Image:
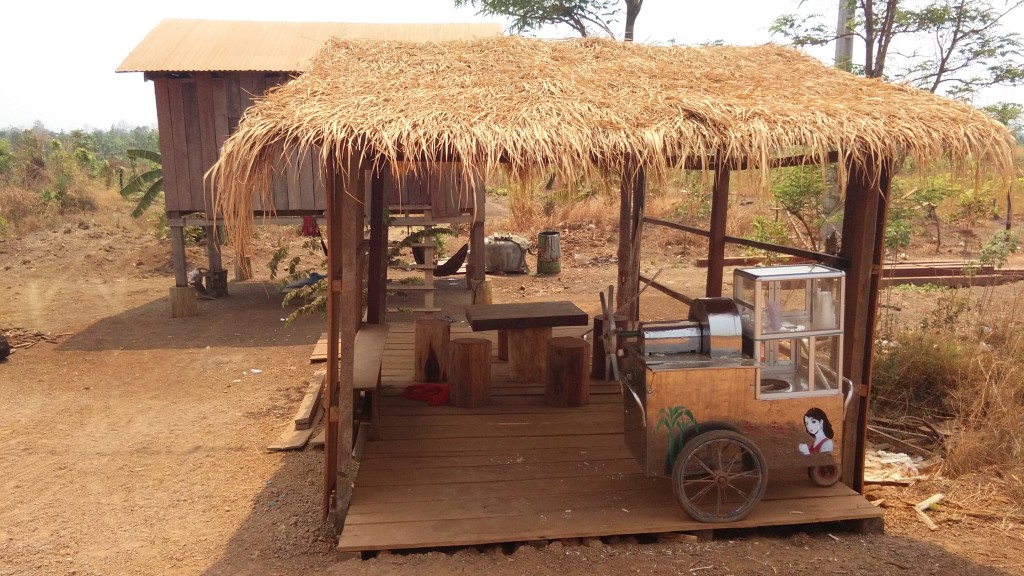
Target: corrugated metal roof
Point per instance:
(221, 45)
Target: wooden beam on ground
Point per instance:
(716, 240)
(293, 438)
(310, 402)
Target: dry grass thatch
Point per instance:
(588, 107)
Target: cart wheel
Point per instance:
(823, 476)
(719, 476)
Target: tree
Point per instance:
(1009, 114)
(146, 186)
(585, 17)
(953, 46)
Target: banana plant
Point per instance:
(147, 186)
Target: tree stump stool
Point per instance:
(431, 357)
(567, 381)
(469, 372)
(503, 345)
(600, 369)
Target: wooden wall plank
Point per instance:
(232, 100)
(319, 187)
(207, 132)
(307, 168)
(179, 141)
(247, 91)
(292, 181)
(193, 143)
(165, 121)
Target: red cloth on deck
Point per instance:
(433, 394)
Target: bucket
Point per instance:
(549, 253)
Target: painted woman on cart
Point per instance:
(820, 429)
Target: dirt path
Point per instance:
(134, 444)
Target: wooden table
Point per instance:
(529, 329)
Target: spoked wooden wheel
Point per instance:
(719, 476)
(824, 476)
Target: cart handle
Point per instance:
(625, 383)
(848, 393)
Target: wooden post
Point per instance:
(431, 357)
(477, 255)
(178, 259)
(716, 241)
(600, 370)
(377, 274)
(863, 245)
(469, 372)
(527, 353)
(183, 302)
(566, 382)
(631, 212)
(334, 270)
(350, 273)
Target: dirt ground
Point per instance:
(134, 443)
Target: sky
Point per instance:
(59, 56)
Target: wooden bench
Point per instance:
(369, 355)
(529, 329)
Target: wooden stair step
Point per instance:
(409, 287)
(413, 221)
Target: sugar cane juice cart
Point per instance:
(745, 386)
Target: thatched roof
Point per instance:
(594, 106)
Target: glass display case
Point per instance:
(792, 324)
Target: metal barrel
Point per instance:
(549, 253)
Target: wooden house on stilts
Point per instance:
(625, 112)
(206, 74)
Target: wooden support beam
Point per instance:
(716, 240)
(178, 259)
(377, 274)
(696, 163)
(213, 254)
(863, 247)
(334, 270)
(827, 259)
(631, 217)
(350, 203)
(477, 256)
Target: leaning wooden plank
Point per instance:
(319, 350)
(318, 440)
(292, 439)
(307, 409)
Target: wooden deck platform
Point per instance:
(518, 470)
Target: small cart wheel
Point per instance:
(719, 476)
(824, 476)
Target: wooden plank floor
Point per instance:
(518, 470)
